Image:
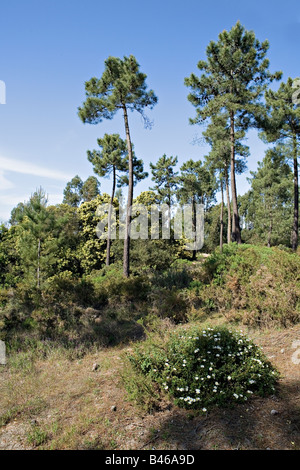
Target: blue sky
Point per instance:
(50, 48)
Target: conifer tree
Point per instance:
(234, 78)
(217, 135)
(282, 125)
(111, 159)
(37, 244)
(269, 204)
(73, 192)
(197, 186)
(121, 87)
(165, 178)
(90, 189)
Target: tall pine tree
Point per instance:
(121, 87)
(234, 78)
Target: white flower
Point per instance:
(229, 377)
(204, 409)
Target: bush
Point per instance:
(173, 278)
(259, 285)
(204, 368)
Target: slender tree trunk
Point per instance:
(109, 217)
(270, 230)
(228, 207)
(194, 224)
(221, 218)
(126, 258)
(38, 271)
(296, 196)
(236, 231)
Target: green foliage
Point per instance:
(92, 249)
(175, 278)
(121, 84)
(119, 289)
(110, 158)
(77, 191)
(258, 285)
(61, 306)
(72, 192)
(9, 256)
(149, 255)
(37, 436)
(235, 75)
(204, 368)
(90, 189)
(281, 123)
(140, 388)
(165, 178)
(267, 208)
(232, 81)
(196, 184)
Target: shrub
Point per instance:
(202, 368)
(173, 278)
(256, 284)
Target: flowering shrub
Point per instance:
(201, 368)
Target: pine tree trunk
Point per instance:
(126, 258)
(221, 218)
(270, 230)
(194, 224)
(228, 208)
(296, 196)
(109, 217)
(38, 271)
(236, 231)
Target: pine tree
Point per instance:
(282, 124)
(73, 192)
(122, 86)
(90, 189)
(269, 201)
(165, 178)
(37, 244)
(197, 185)
(233, 79)
(217, 135)
(111, 159)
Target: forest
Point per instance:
(186, 325)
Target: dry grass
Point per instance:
(62, 404)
